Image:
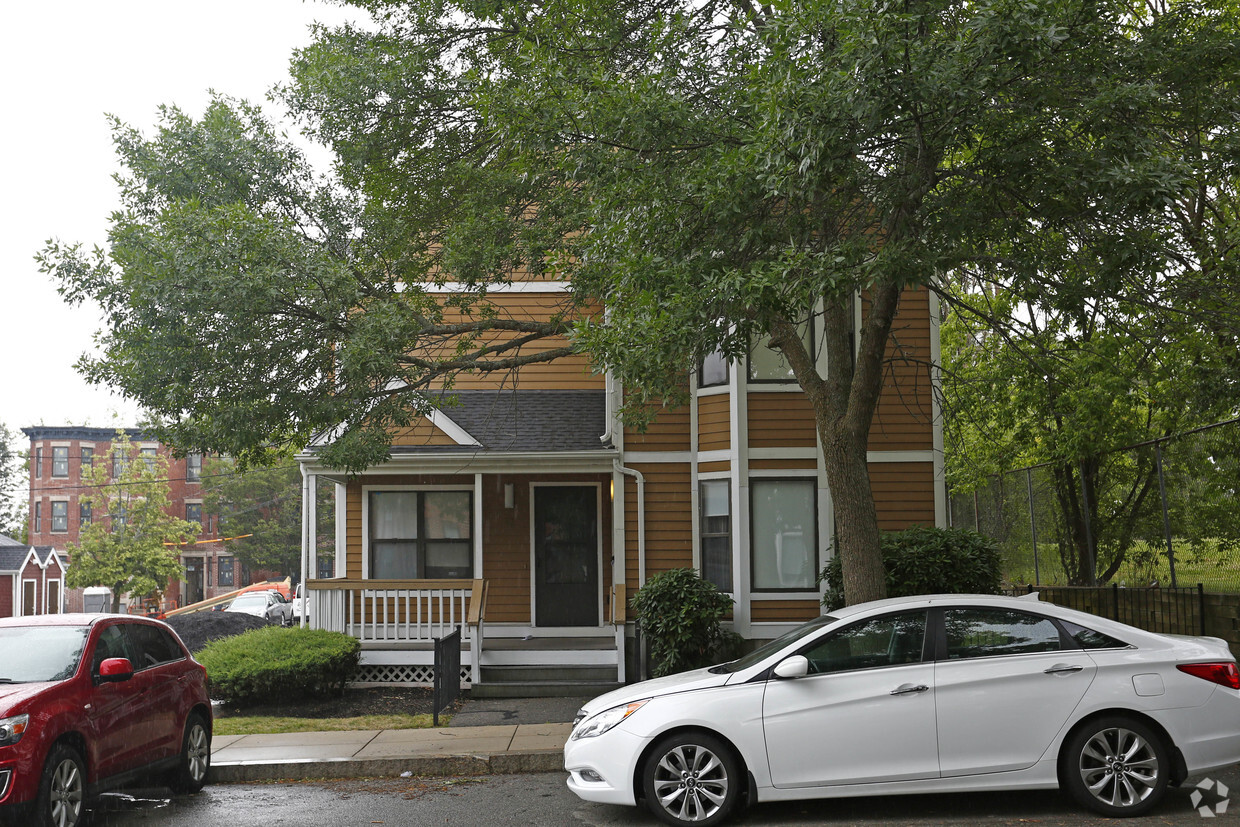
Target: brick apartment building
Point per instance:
(58, 457)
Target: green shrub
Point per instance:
(923, 560)
(679, 614)
(274, 664)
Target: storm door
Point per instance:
(193, 580)
(566, 554)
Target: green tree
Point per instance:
(713, 173)
(131, 544)
(262, 507)
(12, 478)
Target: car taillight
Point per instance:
(1224, 674)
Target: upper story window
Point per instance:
(420, 534)
(84, 514)
(38, 517)
(148, 458)
(767, 364)
(60, 461)
(38, 462)
(193, 513)
(120, 464)
(193, 467)
(713, 371)
(88, 458)
(60, 515)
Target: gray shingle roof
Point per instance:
(525, 420)
(12, 557)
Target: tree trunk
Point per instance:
(116, 598)
(844, 403)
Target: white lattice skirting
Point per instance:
(377, 674)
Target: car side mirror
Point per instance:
(114, 670)
(796, 666)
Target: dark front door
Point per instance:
(566, 543)
(193, 580)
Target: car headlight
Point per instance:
(604, 721)
(12, 729)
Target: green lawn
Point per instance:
(267, 724)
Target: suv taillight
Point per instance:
(1224, 674)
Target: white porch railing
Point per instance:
(399, 611)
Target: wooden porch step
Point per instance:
(542, 644)
(547, 673)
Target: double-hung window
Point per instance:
(60, 516)
(784, 533)
(716, 533)
(418, 535)
(767, 364)
(193, 467)
(60, 461)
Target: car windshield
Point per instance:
(764, 652)
(30, 654)
(251, 599)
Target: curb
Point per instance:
(506, 763)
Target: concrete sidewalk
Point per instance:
(485, 737)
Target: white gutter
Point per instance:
(641, 518)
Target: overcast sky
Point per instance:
(66, 65)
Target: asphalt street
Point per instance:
(542, 800)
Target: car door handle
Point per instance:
(1064, 668)
(909, 688)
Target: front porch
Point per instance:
(398, 621)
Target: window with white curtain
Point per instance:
(783, 534)
(421, 534)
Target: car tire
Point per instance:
(194, 763)
(1116, 766)
(692, 778)
(62, 789)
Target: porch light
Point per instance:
(611, 490)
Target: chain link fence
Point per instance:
(1160, 513)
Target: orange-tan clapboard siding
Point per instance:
(571, 372)
(669, 431)
(669, 518)
(780, 420)
(714, 423)
(784, 611)
(903, 493)
(904, 418)
(809, 463)
(422, 433)
(708, 467)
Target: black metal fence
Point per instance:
(1179, 611)
(447, 672)
(1160, 513)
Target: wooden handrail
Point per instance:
(346, 583)
(478, 603)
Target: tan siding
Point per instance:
(780, 420)
(668, 432)
(714, 423)
(421, 433)
(669, 520)
(785, 611)
(707, 467)
(779, 464)
(903, 420)
(903, 493)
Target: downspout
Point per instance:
(307, 509)
(641, 518)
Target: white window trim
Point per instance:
(366, 489)
(820, 493)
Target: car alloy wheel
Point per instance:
(692, 778)
(62, 789)
(1118, 767)
(195, 763)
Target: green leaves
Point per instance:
(679, 614)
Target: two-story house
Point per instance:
(524, 512)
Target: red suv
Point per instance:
(93, 702)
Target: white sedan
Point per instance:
(926, 694)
